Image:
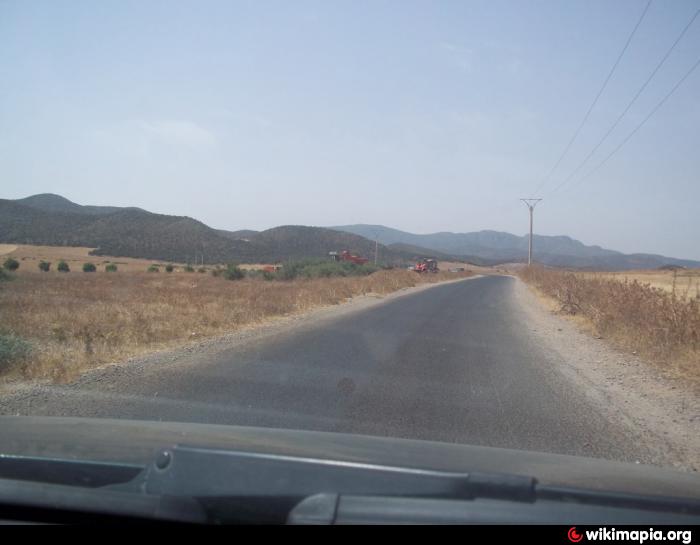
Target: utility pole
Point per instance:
(530, 203)
(376, 250)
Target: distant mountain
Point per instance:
(494, 247)
(133, 232)
(418, 252)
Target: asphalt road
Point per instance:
(454, 363)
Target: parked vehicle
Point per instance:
(426, 265)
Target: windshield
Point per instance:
(465, 222)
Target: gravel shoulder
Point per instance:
(662, 411)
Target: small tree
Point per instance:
(44, 266)
(110, 267)
(169, 268)
(11, 264)
(233, 272)
(63, 266)
(89, 267)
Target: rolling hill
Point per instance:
(132, 232)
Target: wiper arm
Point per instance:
(210, 473)
(187, 484)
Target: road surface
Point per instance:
(456, 362)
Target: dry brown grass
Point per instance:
(637, 317)
(684, 283)
(78, 321)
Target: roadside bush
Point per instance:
(260, 274)
(89, 267)
(13, 351)
(202, 270)
(110, 267)
(169, 268)
(321, 268)
(63, 266)
(153, 269)
(188, 268)
(11, 264)
(44, 266)
(233, 272)
(5, 275)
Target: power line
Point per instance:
(641, 124)
(629, 105)
(595, 100)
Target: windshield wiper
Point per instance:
(188, 484)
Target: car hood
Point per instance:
(137, 442)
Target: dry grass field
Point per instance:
(684, 283)
(58, 325)
(654, 321)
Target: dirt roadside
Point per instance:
(626, 388)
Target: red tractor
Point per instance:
(426, 265)
(347, 256)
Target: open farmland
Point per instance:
(29, 257)
(684, 283)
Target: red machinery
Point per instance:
(426, 265)
(347, 256)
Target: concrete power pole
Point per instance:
(530, 203)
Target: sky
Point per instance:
(420, 115)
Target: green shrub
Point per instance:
(63, 266)
(233, 272)
(188, 268)
(202, 270)
(89, 267)
(13, 350)
(153, 268)
(11, 264)
(44, 266)
(169, 268)
(321, 268)
(110, 267)
(5, 275)
(260, 274)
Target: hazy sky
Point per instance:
(424, 116)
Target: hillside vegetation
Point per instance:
(132, 232)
